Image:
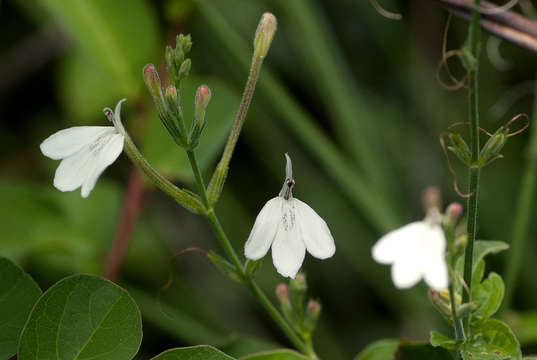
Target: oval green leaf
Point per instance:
(379, 350)
(201, 352)
(82, 317)
(18, 294)
(492, 340)
(487, 296)
(283, 354)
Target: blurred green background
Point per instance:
(352, 96)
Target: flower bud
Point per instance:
(282, 291)
(441, 302)
(152, 80)
(203, 95)
(454, 211)
(311, 315)
(169, 55)
(431, 198)
(297, 290)
(493, 146)
(264, 34)
(184, 69)
(172, 101)
(460, 148)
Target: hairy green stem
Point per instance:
(199, 179)
(473, 173)
(189, 201)
(523, 213)
(457, 322)
(243, 110)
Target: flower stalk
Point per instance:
(263, 38)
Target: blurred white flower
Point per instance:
(85, 151)
(291, 227)
(415, 251)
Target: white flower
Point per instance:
(85, 151)
(291, 227)
(415, 251)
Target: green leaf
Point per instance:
(119, 45)
(439, 340)
(82, 317)
(483, 248)
(492, 340)
(282, 354)
(244, 345)
(200, 352)
(419, 351)
(379, 350)
(18, 294)
(172, 161)
(487, 296)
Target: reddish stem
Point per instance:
(132, 205)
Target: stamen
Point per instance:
(289, 187)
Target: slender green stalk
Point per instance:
(188, 200)
(243, 110)
(457, 322)
(523, 212)
(199, 179)
(228, 248)
(473, 173)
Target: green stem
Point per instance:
(457, 322)
(189, 201)
(198, 177)
(523, 213)
(228, 248)
(243, 110)
(473, 176)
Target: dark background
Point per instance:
(351, 95)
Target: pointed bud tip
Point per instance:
(203, 95)
(314, 307)
(151, 79)
(454, 211)
(431, 198)
(171, 91)
(264, 34)
(283, 292)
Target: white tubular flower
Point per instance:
(291, 227)
(85, 151)
(415, 251)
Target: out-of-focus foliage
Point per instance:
(350, 95)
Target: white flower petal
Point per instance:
(264, 230)
(397, 244)
(288, 249)
(73, 171)
(111, 149)
(406, 273)
(436, 274)
(314, 231)
(68, 142)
